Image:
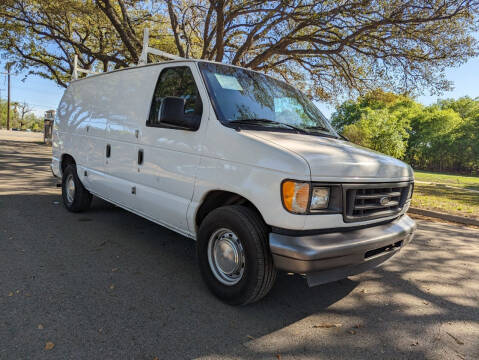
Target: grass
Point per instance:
(445, 199)
(466, 182)
(447, 193)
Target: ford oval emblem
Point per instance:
(384, 200)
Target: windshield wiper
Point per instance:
(317, 127)
(324, 131)
(259, 121)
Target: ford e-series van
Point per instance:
(242, 163)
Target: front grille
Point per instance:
(372, 201)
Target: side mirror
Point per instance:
(172, 112)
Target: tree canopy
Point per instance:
(43, 36)
(327, 47)
(440, 137)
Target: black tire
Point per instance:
(81, 199)
(259, 271)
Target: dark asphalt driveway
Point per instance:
(107, 284)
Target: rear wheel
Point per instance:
(234, 256)
(75, 197)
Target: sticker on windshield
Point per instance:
(228, 82)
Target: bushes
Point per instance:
(439, 137)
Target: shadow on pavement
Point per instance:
(25, 168)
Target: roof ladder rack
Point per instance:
(77, 69)
(148, 50)
(142, 61)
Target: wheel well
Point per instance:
(218, 198)
(67, 159)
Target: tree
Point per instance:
(466, 134)
(23, 109)
(33, 122)
(327, 47)
(464, 106)
(3, 113)
(351, 111)
(440, 137)
(382, 130)
(43, 36)
(378, 120)
(433, 140)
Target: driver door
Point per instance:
(166, 177)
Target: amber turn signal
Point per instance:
(295, 196)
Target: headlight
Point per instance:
(320, 198)
(410, 191)
(295, 196)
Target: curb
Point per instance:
(443, 216)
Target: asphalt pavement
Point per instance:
(107, 284)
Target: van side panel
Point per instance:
(58, 142)
(72, 121)
(112, 110)
(88, 137)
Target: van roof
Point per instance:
(160, 63)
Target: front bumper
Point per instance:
(329, 257)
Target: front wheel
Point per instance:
(75, 197)
(234, 256)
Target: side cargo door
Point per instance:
(124, 105)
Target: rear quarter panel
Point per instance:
(72, 119)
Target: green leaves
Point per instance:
(380, 130)
(42, 36)
(441, 137)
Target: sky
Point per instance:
(42, 94)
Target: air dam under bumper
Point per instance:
(333, 256)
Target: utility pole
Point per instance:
(8, 101)
(0, 107)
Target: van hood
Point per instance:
(337, 160)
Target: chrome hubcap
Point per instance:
(226, 257)
(70, 188)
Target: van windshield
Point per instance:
(243, 97)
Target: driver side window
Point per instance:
(176, 82)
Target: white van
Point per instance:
(242, 163)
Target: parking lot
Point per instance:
(107, 284)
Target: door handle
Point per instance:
(108, 150)
(140, 157)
